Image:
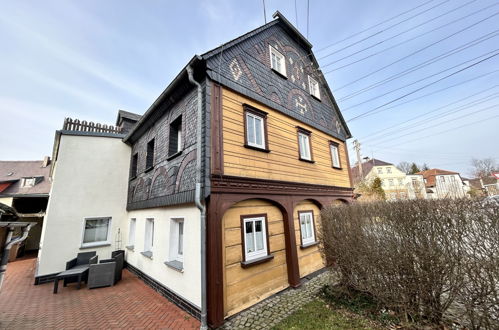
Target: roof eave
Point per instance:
(168, 90)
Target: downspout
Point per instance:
(8, 246)
(198, 198)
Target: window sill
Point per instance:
(307, 160)
(94, 245)
(130, 247)
(279, 74)
(304, 246)
(148, 169)
(256, 148)
(253, 262)
(175, 155)
(176, 265)
(147, 254)
(315, 97)
(337, 168)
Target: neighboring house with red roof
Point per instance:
(25, 186)
(444, 184)
(395, 183)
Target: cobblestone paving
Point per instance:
(274, 309)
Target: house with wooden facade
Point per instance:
(215, 191)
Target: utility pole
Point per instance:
(356, 146)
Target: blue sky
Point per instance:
(87, 59)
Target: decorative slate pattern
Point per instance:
(162, 180)
(247, 66)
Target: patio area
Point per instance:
(128, 304)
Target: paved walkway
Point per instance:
(274, 309)
(129, 304)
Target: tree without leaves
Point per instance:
(483, 167)
(404, 167)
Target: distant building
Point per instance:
(396, 184)
(444, 184)
(25, 186)
(488, 186)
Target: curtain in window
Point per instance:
(96, 230)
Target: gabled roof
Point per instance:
(430, 175)
(11, 173)
(295, 34)
(127, 115)
(366, 168)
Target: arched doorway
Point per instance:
(248, 227)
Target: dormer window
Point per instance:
(277, 61)
(28, 182)
(314, 87)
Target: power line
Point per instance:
(296, 15)
(405, 41)
(434, 92)
(394, 36)
(308, 15)
(423, 64)
(435, 117)
(423, 87)
(376, 25)
(416, 52)
(417, 81)
(383, 130)
(439, 124)
(451, 129)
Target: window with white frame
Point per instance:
(96, 231)
(335, 155)
(149, 236)
(255, 130)
(255, 237)
(307, 227)
(388, 170)
(131, 233)
(28, 182)
(401, 182)
(442, 178)
(277, 61)
(380, 170)
(314, 87)
(304, 145)
(177, 240)
(390, 181)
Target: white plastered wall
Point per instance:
(90, 180)
(185, 283)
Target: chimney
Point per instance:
(46, 161)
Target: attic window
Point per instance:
(28, 182)
(277, 61)
(314, 87)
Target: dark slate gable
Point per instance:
(244, 66)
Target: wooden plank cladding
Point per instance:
(282, 162)
(244, 287)
(309, 259)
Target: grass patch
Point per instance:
(318, 314)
